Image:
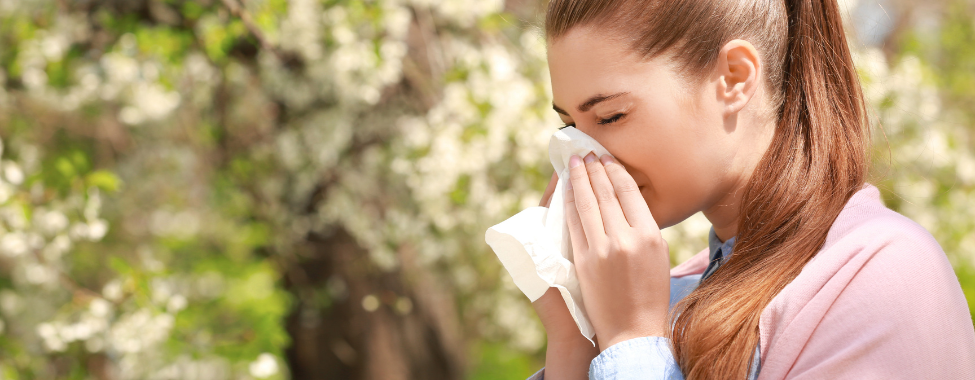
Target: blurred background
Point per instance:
(299, 189)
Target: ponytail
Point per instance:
(816, 161)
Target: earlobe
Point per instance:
(738, 65)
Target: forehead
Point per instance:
(588, 49)
(585, 62)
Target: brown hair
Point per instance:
(816, 161)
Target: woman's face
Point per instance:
(676, 140)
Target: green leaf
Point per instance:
(104, 180)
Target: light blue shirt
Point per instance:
(651, 357)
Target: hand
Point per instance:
(622, 261)
(569, 353)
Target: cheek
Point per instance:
(668, 152)
(679, 166)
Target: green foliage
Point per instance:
(950, 52)
(498, 362)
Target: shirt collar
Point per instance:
(718, 249)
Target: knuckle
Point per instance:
(622, 245)
(577, 173)
(596, 247)
(648, 238)
(605, 196)
(572, 222)
(594, 168)
(646, 234)
(615, 168)
(585, 205)
(657, 242)
(627, 187)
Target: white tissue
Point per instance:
(534, 245)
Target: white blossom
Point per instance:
(264, 366)
(12, 173)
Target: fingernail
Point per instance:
(606, 159)
(574, 161)
(590, 158)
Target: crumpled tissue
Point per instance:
(534, 245)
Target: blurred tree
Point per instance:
(304, 174)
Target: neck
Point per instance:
(724, 213)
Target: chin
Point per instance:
(671, 209)
(665, 222)
(668, 216)
(664, 217)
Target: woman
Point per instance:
(751, 112)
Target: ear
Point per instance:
(738, 75)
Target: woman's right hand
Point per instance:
(569, 353)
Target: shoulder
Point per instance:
(874, 252)
(887, 265)
(868, 239)
(865, 222)
(893, 268)
(879, 298)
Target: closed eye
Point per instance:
(612, 119)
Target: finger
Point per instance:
(585, 201)
(602, 188)
(547, 195)
(577, 235)
(628, 194)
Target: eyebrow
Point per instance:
(588, 104)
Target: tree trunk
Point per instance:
(411, 333)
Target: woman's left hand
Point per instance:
(621, 260)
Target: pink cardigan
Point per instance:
(879, 301)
